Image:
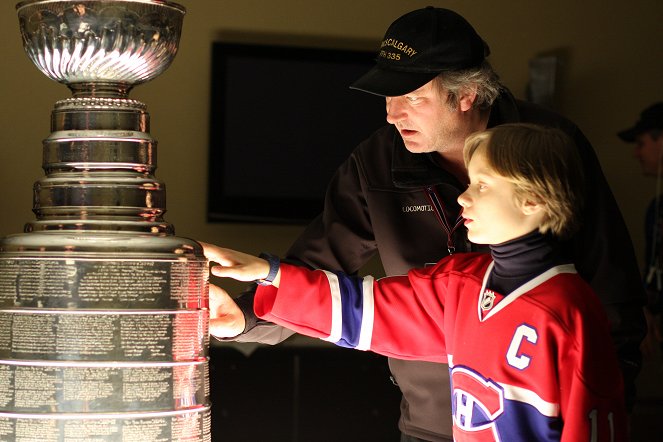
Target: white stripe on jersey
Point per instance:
(526, 396)
(337, 312)
(367, 315)
(522, 290)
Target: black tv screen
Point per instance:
(282, 120)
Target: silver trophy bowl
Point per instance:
(101, 48)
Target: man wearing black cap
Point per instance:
(647, 134)
(396, 195)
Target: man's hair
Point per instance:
(543, 163)
(483, 79)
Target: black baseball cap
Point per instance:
(651, 118)
(417, 47)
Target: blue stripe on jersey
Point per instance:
(352, 307)
(522, 422)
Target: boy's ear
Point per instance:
(532, 204)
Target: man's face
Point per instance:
(425, 121)
(648, 151)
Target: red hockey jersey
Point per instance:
(536, 365)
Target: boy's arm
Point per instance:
(387, 316)
(591, 387)
(590, 414)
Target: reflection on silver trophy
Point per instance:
(103, 310)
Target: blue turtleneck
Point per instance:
(523, 258)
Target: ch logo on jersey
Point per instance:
(476, 403)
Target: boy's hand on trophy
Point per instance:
(234, 264)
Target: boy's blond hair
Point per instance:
(543, 163)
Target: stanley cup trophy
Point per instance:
(103, 311)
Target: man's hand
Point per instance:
(226, 319)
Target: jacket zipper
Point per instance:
(441, 214)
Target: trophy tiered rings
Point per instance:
(103, 311)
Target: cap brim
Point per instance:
(391, 83)
(628, 135)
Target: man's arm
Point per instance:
(605, 257)
(234, 319)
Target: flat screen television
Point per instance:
(282, 120)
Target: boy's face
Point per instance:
(493, 212)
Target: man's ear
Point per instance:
(466, 98)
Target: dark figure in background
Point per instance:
(396, 195)
(647, 134)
